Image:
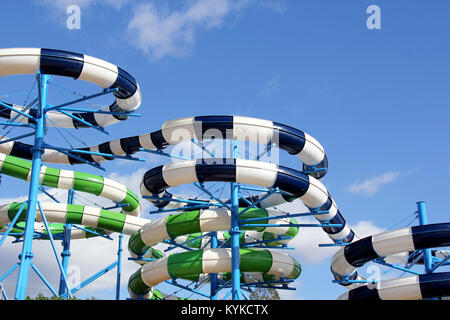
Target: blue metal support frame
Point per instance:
(91, 279)
(44, 280)
(52, 242)
(102, 93)
(65, 254)
(213, 276)
(37, 151)
(13, 222)
(119, 266)
(11, 121)
(423, 220)
(235, 232)
(32, 204)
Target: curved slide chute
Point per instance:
(15, 61)
(355, 255)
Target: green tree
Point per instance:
(265, 294)
(41, 296)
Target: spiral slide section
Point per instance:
(355, 255)
(303, 184)
(292, 183)
(14, 61)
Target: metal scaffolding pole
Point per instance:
(27, 255)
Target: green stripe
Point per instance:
(269, 277)
(184, 223)
(137, 285)
(254, 213)
(90, 234)
(74, 213)
(16, 167)
(136, 245)
(255, 260)
(132, 200)
(197, 243)
(157, 295)
(296, 271)
(87, 182)
(185, 263)
(51, 177)
(109, 220)
(293, 231)
(154, 254)
(13, 208)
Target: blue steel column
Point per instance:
(213, 275)
(422, 211)
(27, 255)
(119, 266)
(235, 232)
(65, 254)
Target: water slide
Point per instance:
(388, 244)
(207, 216)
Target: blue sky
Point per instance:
(377, 100)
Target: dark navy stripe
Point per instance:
(72, 160)
(5, 112)
(337, 219)
(435, 285)
(126, 84)
(207, 170)
(114, 107)
(21, 150)
(84, 156)
(33, 113)
(364, 293)
(61, 63)
(321, 165)
(325, 207)
(288, 198)
(105, 148)
(360, 252)
(251, 199)
(204, 123)
(347, 239)
(431, 235)
(338, 277)
(158, 139)
(86, 116)
(290, 139)
(292, 181)
(130, 144)
(154, 180)
(162, 203)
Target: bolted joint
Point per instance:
(235, 230)
(65, 253)
(28, 255)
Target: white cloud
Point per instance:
(371, 186)
(277, 6)
(160, 33)
(63, 4)
(271, 87)
(366, 228)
